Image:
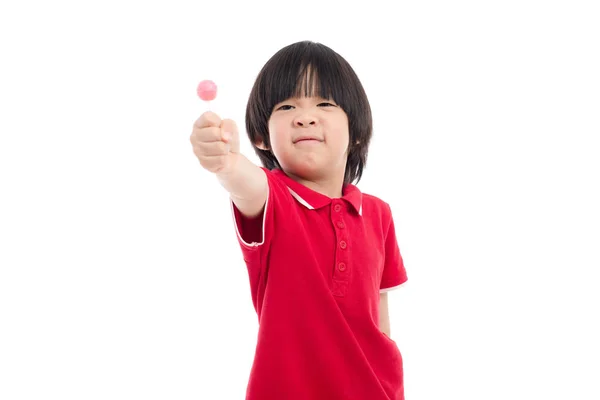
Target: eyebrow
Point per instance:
(312, 97)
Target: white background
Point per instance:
(121, 277)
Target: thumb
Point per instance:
(230, 135)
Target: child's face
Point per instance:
(309, 137)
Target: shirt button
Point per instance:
(343, 244)
(337, 208)
(340, 224)
(342, 266)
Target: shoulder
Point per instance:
(276, 182)
(376, 213)
(376, 206)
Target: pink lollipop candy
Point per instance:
(207, 91)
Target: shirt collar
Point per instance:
(314, 200)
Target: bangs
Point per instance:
(309, 72)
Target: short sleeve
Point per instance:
(255, 233)
(394, 273)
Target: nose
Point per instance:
(305, 120)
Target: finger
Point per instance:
(210, 149)
(231, 135)
(211, 134)
(208, 119)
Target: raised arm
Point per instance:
(216, 144)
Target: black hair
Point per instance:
(310, 69)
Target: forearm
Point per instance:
(247, 185)
(384, 314)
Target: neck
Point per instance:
(330, 186)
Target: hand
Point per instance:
(215, 142)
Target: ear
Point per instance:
(350, 145)
(261, 145)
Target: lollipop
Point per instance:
(207, 91)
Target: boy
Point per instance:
(320, 254)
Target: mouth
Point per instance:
(307, 139)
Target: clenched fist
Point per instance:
(216, 142)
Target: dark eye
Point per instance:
(285, 107)
(327, 104)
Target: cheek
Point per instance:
(342, 134)
(344, 143)
(276, 133)
(272, 127)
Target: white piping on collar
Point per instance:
(300, 199)
(305, 204)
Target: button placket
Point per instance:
(341, 271)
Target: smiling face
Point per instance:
(309, 136)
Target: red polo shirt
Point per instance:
(316, 267)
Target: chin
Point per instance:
(310, 171)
